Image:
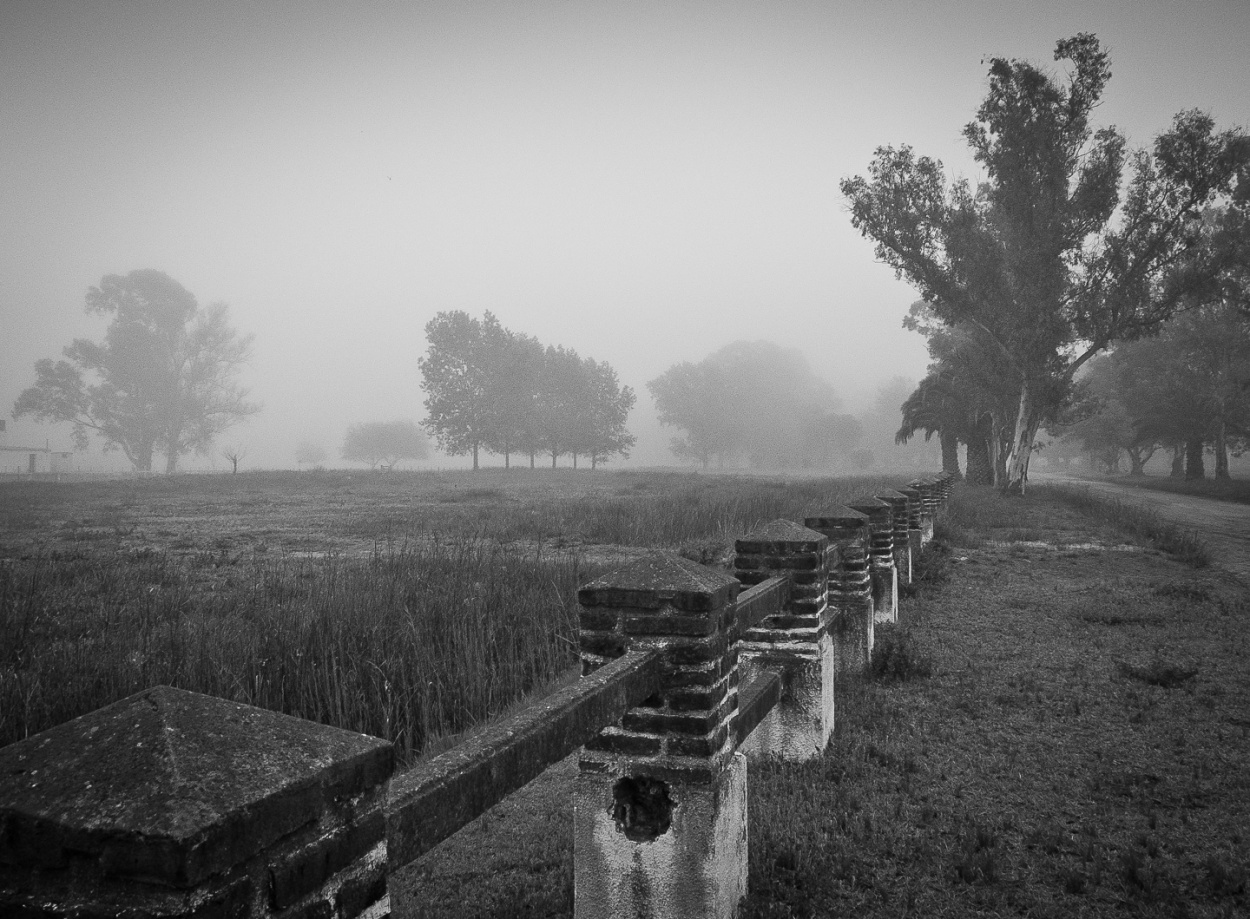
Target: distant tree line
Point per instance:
(490, 389)
(1186, 390)
(385, 443)
(758, 403)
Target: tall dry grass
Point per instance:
(406, 645)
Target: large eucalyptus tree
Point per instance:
(1045, 255)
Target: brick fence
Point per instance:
(171, 803)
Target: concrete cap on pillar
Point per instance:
(840, 516)
(875, 508)
(779, 538)
(174, 786)
(662, 579)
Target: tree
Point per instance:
(603, 432)
(488, 387)
(385, 443)
(1044, 256)
(1185, 388)
(1203, 358)
(163, 380)
(880, 424)
(515, 367)
(561, 397)
(234, 454)
(753, 399)
(456, 374)
(692, 397)
(313, 454)
(967, 396)
(937, 406)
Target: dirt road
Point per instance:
(1224, 526)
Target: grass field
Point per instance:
(408, 606)
(1063, 732)
(1059, 729)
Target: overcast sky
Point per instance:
(643, 182)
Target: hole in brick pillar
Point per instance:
(642, 808)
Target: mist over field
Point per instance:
(645, 184)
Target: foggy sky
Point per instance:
(643, 182)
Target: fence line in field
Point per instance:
(172, 803)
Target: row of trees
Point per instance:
(758, 402)
(1184, 390)
(1045, 263)
(488, 388)
(165, 380)
(378, 443)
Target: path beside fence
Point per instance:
(1224, 525)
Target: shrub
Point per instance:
(895, 657)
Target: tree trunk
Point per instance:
(594, 462)
(532, 459)
(574, 459)
(980, 466)
(950, 453)
(1027, 423)
(553, 459)
(143, 462)
(171, 462)
(475, 456)
(1178, 461)
(507, 459)
(1194, 466)
(1137, 461)
(1221, 449)
(998, 454)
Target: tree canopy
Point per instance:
(1185, 389)
(755, 401)
(490, 388)
(310, 452)
(164, 379)
(1045, 255)
(385, 443)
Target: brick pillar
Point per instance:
(884, 573)
(915, 521)
(795, 643)
(928, 507)
(175, 804)
(850, 588)
(899, 504)
(659, 823)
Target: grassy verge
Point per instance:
(1058, 728)
(1237, 490)
(1141, 522)
(1060, 731)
